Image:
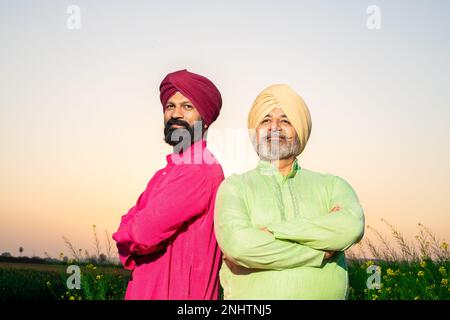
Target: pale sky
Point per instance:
(81, 122)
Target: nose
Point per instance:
(177, 113)
(274, 125)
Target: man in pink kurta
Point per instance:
(167, 239)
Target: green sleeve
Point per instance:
(336, 231)
(247, 245)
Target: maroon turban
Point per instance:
(198, 89)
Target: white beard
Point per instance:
(274, 150)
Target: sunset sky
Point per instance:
(81, 123)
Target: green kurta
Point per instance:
(296, 208)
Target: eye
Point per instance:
(265, 121)
(188, 107)
(170, 107)
(285, 121)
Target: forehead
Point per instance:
(178, 98)
(276, 113)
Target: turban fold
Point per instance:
(198, 89)
(284, 97)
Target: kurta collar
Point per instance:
(267, 168)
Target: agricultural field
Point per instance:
(399, 269)
(424, 279)
(48, 281)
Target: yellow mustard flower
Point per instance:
(390, 272)
(444, 245)
(442, 270)
(420, 273)
(423, 264)
(444, 282)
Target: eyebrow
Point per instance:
(270, 116)
(182, 102)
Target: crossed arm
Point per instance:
(146, 231)
(305, 242)
(330, 232)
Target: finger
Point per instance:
(335, 208)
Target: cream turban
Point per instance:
(284, 97)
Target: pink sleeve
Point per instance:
(120, 236)
(183, 198)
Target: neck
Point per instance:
(284, 165)
(180, 148)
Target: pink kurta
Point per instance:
(167, 239)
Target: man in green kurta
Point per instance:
(283, 229)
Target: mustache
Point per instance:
(178, 122)
(270, 135)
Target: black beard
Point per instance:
(183, 138)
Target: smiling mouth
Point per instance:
(176, 126)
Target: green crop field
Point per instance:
(48, 281)
(399, 280)
(405, 271)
